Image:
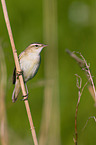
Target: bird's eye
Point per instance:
(36, 45)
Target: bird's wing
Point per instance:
(14, 71)
(14, 75)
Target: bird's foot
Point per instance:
(18, 73)
(25, 97)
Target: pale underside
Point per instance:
(29, 65)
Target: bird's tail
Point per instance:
(16, 91)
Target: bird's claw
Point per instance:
(24, 99)
(18, 73)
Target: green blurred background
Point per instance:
(76, 30)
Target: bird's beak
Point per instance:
(45, 45)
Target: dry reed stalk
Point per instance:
(19, 70)
(80, 91)
(85, 67)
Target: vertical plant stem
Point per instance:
(18, 70)
(3, 83)
(50, 125)
(80, 91)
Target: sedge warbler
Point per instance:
(29, 64)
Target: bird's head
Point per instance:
(36, 47)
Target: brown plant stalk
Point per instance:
(19, 70)
(80, 91)
(85, 67)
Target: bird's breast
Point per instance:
(29, 65)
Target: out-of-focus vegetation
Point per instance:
(76, 24)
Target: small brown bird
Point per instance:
(29, 63)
